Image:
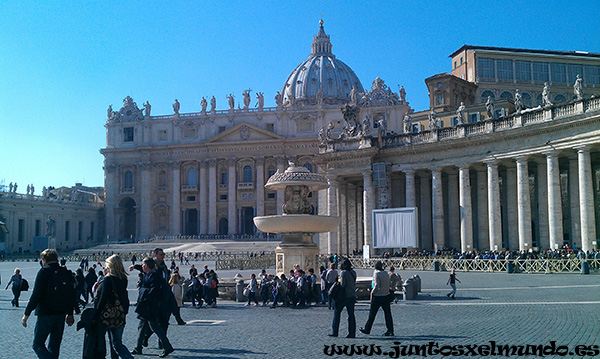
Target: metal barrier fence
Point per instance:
(257, 262)
(561, 265)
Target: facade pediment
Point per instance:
(243, 131)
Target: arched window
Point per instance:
(560, 98)
(128, 182)
(162, 179)
(192, 177)
(485, 94)
(506, 96)
(247, 175)
(308, 166)
(526, 99)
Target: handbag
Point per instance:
(337, 292)
(246, 292)
(112, 315)
(24, 285)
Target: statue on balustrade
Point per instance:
(261, 100)
(578, 88)
(247, 99)
(278, 99)
(203, 105)
(353, 96)
(176, 107)
(402, 94)
(213, 104)
(366, 126)
(489, 108)
(433, 125)
(518, 101)
(407, 123)
(231, 101)
(15, 187)
(10, 187)
(32, 189)
(546, 95)
(148, 108)
(460, 113)
(28, 189)
(382, 126)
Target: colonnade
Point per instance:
(519, 203)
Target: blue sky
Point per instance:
(63, 62)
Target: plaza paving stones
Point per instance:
(510, 309)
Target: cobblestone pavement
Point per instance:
(512, 309)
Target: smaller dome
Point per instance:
(321, 78)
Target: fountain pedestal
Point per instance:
(296, 248)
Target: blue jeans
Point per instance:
(339, 306)
(48, 325)
(115, 337)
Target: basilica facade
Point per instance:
(494, 176)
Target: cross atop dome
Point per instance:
(321, 44)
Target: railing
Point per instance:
(565, 110)
(214, 113)
(533, 117)
(477, 127)
(234, 237)
(561, 265)
(35, 198)
(256, 262)
(591, 104)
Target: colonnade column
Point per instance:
(437, 198)
(411, 200)
(512, 207)
(368, 205)
(212, 196)
(466, 210)
(260, 186)
(176, 199)
(425, 214)
(231, 198)
(523, 204)
(453, 210)
(343, 213)
(332, 210)
(203, 187)
(586, 200)
(554, 201)
(144, 191)
(574, 203)
(542, 190)
(494, 215)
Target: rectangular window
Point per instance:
(21, 230)
(271, 195)
(592, 75)
(454, 121)
(190, 198)
(224, 177)
(416, 127)
(499, 113)
(474, 117)
(270, 127)
(559, 73)
(222, 129)
(540, 71)
(162, 135)
(91, 231)
(223, 197)
(505, 70)
(486, 70)
(523, 71)
(379, 179)
(128, 134)
(574, 70)
(67, 230)
(189, 133)
(38, 227)
(80, 231)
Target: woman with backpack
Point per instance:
(16, 280)
(112, 305)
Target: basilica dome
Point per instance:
(321, 78)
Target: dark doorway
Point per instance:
(191, 222)
(127, 218)
(247, 221)
(223, 226)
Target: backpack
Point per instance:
(61, 291)
(24, 285)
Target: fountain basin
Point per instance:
(296, 223)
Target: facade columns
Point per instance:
(437, 199)
(343, 213)
(512, 212)
(212, 196)
(145, 230)
(111, 184)
(425, 213)
(368, 206)
(453, 210)
(523, 204)
(332, 210)
(231, 198)
(466, 210)
(176, 199)
(411, 200)
(260, 186)
(280, 195)
(351, 217)
(482, 240)
(574, 203)
(586, 199)
(554, 201)
(494, 215)
(542, 190)
(203, 187)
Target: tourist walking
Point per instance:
(331, 277)
(176, 283)
(112, 297)
(452, 281)
(53, 299)
(348, 282)
(395, 282)
(252, 287)
(17, 286)
(90, 280)
(150, 305)
(380, 298)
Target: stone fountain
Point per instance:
(297, 224)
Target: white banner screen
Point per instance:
(395, 228)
